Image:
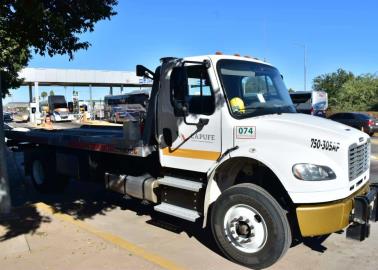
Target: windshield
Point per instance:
(60, 105)
(253, 89)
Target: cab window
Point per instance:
(200, 96)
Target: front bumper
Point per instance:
(326, 218)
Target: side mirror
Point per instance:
(142, 71)
(179, 90)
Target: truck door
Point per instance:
(193, 142)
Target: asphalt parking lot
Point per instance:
(148, 240)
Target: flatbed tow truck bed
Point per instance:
(91, 138)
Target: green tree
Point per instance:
(44, 27)
(359, 94)
(332, 83)
(44, 95)
(52, 93)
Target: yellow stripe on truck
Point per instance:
(190, 153)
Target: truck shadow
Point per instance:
(314, 243)
(81, 200)
(84, 200)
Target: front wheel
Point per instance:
(250, 227)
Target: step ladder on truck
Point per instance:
(222, 145)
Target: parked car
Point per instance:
(361, 121)
(7, 117)
(21, 116)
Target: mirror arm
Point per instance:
(146, 72)
(201, 123)
(147, 75)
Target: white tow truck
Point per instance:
(222, 144)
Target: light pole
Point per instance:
(304, 65)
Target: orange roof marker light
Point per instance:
(236, 54)
(218, 53)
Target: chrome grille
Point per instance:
(359, 159)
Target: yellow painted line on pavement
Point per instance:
(374, 157)
(114, 239)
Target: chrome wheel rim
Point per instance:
(245, 228)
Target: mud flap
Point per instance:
(365, 210)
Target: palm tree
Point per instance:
(52, 93)
(43, 95)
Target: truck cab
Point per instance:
(58, 108)
(217, 108)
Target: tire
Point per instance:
(96, 169)
(250, 227)
(371, 134)
(44, 177)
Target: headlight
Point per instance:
(311, 172)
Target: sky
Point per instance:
(337, 34)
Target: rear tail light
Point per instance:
(371, 123)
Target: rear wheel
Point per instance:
(44, 177)
(371, 134)
(250, 227)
